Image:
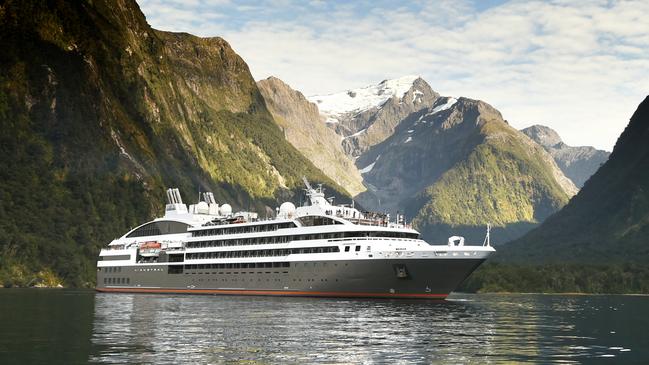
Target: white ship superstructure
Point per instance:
(319, 249)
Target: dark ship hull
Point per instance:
(429, 278)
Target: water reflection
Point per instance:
(206, 329)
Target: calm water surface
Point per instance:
(67, 327)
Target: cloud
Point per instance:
(577, 66)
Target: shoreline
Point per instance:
(450, 295)
(558, 293)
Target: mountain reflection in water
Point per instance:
(480, 328)
(66, 327)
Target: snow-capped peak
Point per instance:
(358, 100)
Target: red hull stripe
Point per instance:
(277, 293)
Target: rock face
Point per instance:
(608, 221)
(305, 130)
(367, 116)
(456, 166)
(99, 113)
(452, 165)
(577, 163)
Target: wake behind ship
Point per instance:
(318, 249)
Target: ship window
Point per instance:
(314, 220)
(358, 248)
(159, 228)
(346, 248)
(114, 257)
(176, 258)
(175, 269)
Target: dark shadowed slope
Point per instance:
(99, 113)
(608, 221)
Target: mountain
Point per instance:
(306, 131)
(577, 163)
(99, 113)
(451, 164)
(608, 221)
(456, 166)
(367, 116)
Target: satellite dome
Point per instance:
(287, 209)
(202, 208)
(225, 209)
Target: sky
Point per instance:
(580, 67)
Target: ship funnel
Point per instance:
(175, 204)
(170, 197)
(176, 194)
(208, 197)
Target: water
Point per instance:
(68, 327)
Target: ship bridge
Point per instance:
(318, 205)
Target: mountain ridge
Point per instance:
(467, 141)
(577, 163)
(597, 243)
(100, 113)
(608, 218)
(385, 105)
(302, 125)
(407, 141)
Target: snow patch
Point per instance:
(408, 140)
(356, 134)
(359, 100)
(410, 130)
(331, 120)
(415, 95)
(449, 103)
(369, 167)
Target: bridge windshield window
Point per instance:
(159, 228)
(314, 220)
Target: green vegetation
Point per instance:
(598, 243)
(99, 114)
(627, 278)
(300, 121)
(608, 221)
(503, 181)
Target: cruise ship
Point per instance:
(318, 249)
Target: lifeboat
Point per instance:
(150, 245)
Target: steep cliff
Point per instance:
(367, 116)
(99, 113)
(456, 166)
(306, 131)
(608, 221)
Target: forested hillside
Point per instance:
(599, 242)
(99, 113)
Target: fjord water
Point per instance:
(67, 327)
